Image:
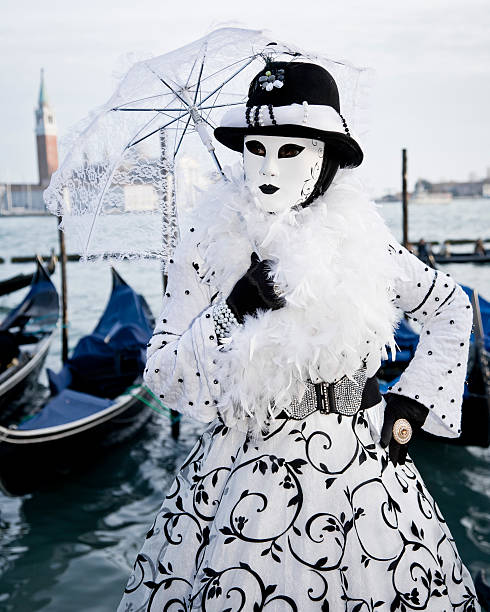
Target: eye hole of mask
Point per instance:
(255, 147)
(289, 150)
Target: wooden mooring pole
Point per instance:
(404, 198)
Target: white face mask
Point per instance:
(280, 171)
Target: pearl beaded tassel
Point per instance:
(305, 112)
(223, 319)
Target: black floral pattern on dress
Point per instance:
(313, 517)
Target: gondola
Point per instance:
(462, 258)
(19, 281)
(25, 337)
(475, 419)
(97, 399)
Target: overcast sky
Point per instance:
(431, 60)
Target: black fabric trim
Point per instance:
(426, 296)
(448, 298)
(371, 394)
(165, 333)
(343, 147)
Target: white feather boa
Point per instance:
(333, 260)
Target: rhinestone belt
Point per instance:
(343, 397)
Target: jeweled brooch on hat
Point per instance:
(269, 80)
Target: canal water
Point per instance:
(71, 547)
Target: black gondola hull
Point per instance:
(19, 381)
(30, 460)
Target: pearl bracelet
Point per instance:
(224, 320)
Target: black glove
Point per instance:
(400, 407)
(254, 290)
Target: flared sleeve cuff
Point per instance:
(181, 369)
(436, 375)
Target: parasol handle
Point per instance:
(202, 130)
(205, 137)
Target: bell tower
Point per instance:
(46, 136)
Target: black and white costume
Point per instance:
(272, 509)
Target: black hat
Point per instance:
(295, 99)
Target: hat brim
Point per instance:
(345, 148)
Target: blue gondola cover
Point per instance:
(108, 360)
(66, 407)
(485, 315)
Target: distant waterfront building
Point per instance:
(486, 188)
(21, 198)
(428, 193)
(447, 190)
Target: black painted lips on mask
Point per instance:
(268, 189)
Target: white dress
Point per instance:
(313, 515)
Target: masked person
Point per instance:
(282, 298)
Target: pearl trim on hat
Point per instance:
(316, 116)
